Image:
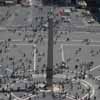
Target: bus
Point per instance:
(5, 2)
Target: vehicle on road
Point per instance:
(91, 21)
(6, 2)
(26, 3)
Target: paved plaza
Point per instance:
(23, 54)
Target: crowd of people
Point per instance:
(38, 34)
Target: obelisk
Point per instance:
(49, 70)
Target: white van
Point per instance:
(67, 12)
(26, 3)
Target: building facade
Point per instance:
(93, 3)
(60, 2)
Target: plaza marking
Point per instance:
(93, 89)
(81, 45)
(18, 40)
(63, 60)
(60, 40)
(3, 28)
(62, 52)
(34, 70)
(94, 68)
(16, 97)
(34, 59)
(85, 83)
(79, 32)
(93, 41)
(24, 44)
(32, 44)
(62, 48)
(98, 77)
